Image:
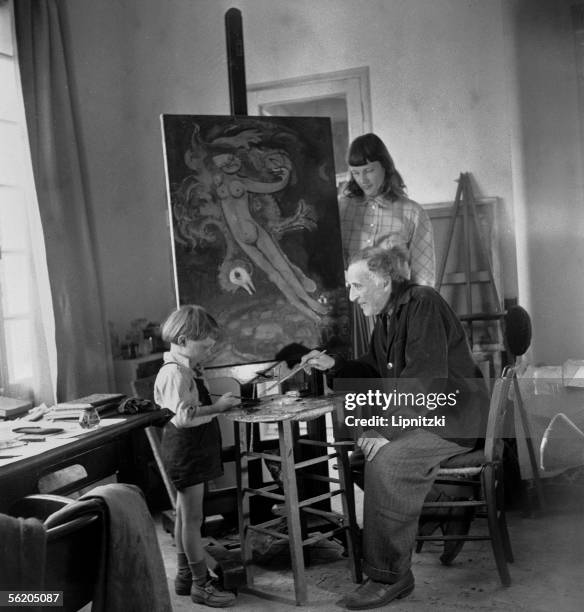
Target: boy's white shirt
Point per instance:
(175, 388)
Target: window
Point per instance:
(15, 306)
(23, 275)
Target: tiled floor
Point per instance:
(547, 573)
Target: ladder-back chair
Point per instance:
(481, 471)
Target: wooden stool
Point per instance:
(286, 415)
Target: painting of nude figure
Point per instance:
(255, 231)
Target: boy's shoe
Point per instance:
(183, 582)
(210, 594)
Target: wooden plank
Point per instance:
(243, 510)
(292, 511)
(236, 62)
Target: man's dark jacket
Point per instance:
(418, 345)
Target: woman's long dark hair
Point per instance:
(365, 150)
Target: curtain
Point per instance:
(83, 352)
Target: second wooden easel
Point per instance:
(465, 205)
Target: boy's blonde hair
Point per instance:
(191, 321)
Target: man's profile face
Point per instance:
(367, 289)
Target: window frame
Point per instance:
(352, 84)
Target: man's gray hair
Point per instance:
(390, 263)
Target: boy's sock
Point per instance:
(182, 563)
(183, 579)
(199, 572)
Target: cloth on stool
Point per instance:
(132, 577)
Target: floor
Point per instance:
(547, 573)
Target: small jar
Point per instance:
(89, 418)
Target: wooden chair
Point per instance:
(144, 388)
(73, 553)
(481, 473)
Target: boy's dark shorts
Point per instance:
(192, 455)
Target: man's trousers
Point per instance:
(397, 481)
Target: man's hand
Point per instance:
(371, 446)
(226, 401)
(317, 359)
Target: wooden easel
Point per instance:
(465, 204)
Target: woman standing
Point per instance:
(376, 212)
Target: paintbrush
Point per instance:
(293, 371)
(222, 394)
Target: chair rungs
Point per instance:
(340, 444)
(451, 538)
(265, 492)
(321, 536)
(269, 523)
(458, 481)
(285, 537)
(471, 503)
(314, 500)
(269, 487)
(333, 517)
(271, 532)
(319, 443)
(320, 478)
(307, 462)
(471, 471)
(267, 456)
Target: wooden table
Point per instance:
(102, 452)
(286, 412)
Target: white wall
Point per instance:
(553, 177)
(439, 69)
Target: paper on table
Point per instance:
(79, 431)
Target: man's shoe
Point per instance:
(373, 594)
(431, 520)
(209, 594)
(183, 582)
(459, 524)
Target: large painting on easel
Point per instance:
(255, 230)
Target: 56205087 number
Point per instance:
(22, 599)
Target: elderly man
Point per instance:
(418, 348)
